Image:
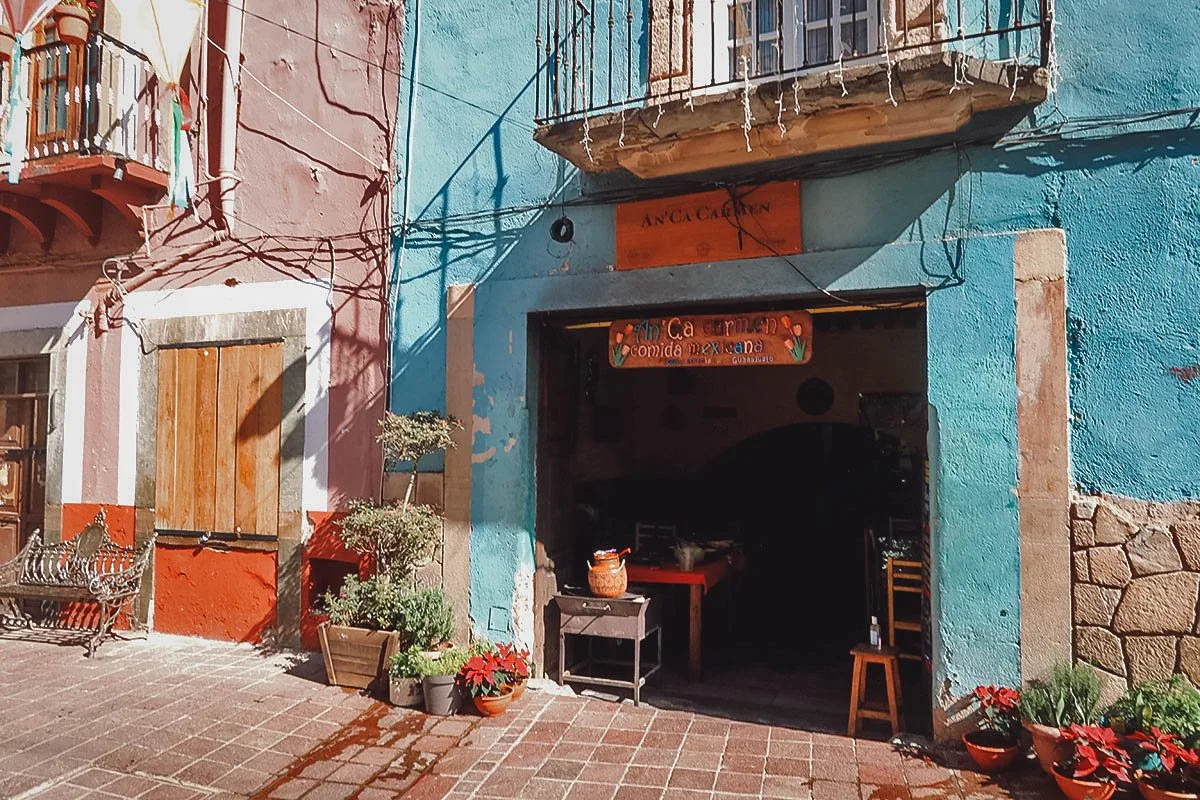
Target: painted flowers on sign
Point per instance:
(712, 340)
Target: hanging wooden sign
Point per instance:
(712, 340)
(722, 225)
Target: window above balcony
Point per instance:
(665, 87)
(93, 137)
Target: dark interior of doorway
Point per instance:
(816, 472)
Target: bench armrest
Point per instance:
(126, 582)
(11, 571)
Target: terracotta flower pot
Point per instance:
(1049, 745)
(1152, 792)
(73, 24)
(989, 751)
(494, 706)
(1084, 790)
(7, 41)
(519, 688)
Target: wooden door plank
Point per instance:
(203, 474)
(270, 414)
(227, 436)
(249, 392)
(164, 500)
(185, 440)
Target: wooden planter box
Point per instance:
(357, 657)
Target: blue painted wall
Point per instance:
(1122, 180)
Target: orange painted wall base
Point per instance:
(213, 594)
(323, 552)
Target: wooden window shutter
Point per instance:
(219, 415)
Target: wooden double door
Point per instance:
(24, 422)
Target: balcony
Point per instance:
(94, 137)
(666, 87)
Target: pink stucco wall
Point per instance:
(313, 202)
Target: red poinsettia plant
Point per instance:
(999, 710)
(484, 675)
(1097, 755)
(514, 662)
(1166, 763)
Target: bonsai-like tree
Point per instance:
(400, 538)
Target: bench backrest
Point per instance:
(80, 561)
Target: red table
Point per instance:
(699, 580)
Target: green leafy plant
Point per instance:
(1172, 706)
(426, 618)
(401, 537)
(372, 603)
(447, 662)
(1070, 697)
(406, 663)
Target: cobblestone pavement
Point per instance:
(172, 718)
(553, 747)
(176, 719)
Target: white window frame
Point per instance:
(711, 41)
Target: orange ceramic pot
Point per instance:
(493, 706)
(1150, 792)
(990, 756)
(1049, 745)
(73, 24)
(606, 573)
(1084, 790)
(519, 688)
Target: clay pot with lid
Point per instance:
(606, 573)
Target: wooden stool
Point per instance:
(887, 657)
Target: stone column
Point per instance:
(1043, 477)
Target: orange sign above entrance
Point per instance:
(712, 340)
(710, 226)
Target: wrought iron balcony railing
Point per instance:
(605, 56)
(96, 98)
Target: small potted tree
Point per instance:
(1070, 697)
(993, 746)
(1097, 765)
(395, 540)
(1168, 770)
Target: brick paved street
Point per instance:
(173, 718)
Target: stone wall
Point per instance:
(1136, 579)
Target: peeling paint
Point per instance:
(510, 444)
(1186, 374)
(486, 455)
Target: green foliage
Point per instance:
(399, 540)
(406, 663)
(1171, 706)
(448, 662)
(411, 437)
(373, 603)
(1071, 696)
(426, 618)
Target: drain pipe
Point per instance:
(231, 75)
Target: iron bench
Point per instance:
(90, 568)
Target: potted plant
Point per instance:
(1170, 705)
(489, 685)
(426, 620)
(73, 20)
(1070, 697)
(395, 540)
(404, 681)
(440, 680)
(1168, 770)
(359, 638)
(1097, 765)
(993, 746)
(515, 663)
